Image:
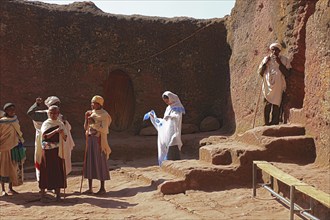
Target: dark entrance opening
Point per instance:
(119, 100)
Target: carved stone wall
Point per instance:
(71, 51)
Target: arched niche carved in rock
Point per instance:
(119, 99)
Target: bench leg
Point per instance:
(311, 206)
(292, 189)
(272, 182)
(254, 179)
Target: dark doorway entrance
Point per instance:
(119, 100)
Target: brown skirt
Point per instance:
(51, 170)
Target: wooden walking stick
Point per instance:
(84, 164)
(64, 168)
(256, 109)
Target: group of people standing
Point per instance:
(53, 146)
(54, 143)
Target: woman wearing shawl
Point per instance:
(12, 152)
(169, 128)
(52, 166)
(97, 123)
(39, 115)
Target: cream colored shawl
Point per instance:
(102, 123)
(10, 133)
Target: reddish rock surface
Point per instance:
(302, 28)
(317, 80)
(78, 51)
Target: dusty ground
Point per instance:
(129, 198)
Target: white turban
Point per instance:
(51, 100)
(277, 45)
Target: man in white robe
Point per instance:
(273, 68)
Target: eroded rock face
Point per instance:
(317, 80)
(77, 51)
(253, 26)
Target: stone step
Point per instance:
(299, 149)
(297, 116)
(152, 175)
(178, 176)
(230, 163)
(255, 136)
(284, 130)
(225, 153)
(198, 175)
(295, 148)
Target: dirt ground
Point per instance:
(128, 198)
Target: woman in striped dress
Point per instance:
(97, 123)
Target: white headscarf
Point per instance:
(51, 100)
(277, 45)
(176, 104)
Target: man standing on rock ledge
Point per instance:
(273, 68)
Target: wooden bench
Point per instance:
(293, 183)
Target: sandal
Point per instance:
(88, 192)
(3, 193)
(101, 192)
(12, 192)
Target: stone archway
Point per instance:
(119, 99)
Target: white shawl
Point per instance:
(49, 123)
(273, 80)
(10, 133)
(68, 145)
(169, 127)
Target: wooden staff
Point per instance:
(84, 164)
(256, 109)
(64, 168)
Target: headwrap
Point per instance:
(277, 45)
(51, 100)
(7, 105)
(98, 99)
(52, 107)
(2, 113)
(176, 104)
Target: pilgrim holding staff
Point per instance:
(97, 123)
